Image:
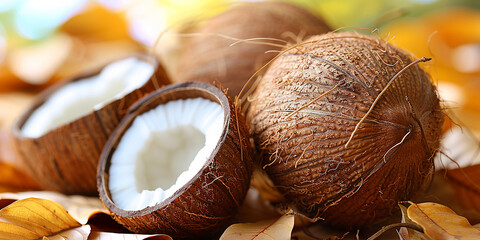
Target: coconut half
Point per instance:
(179, 163)
(61, 136)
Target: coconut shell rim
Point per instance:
(115, 137)
(44, 95)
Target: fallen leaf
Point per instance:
(277, 229)
(444, 192)
(466, 182)
(440, 222)
(477, 226)
(126, 236)
(322, 231)
(74, 234)
(159, 237)
(33, 218)
(406, 233)
(79, 207)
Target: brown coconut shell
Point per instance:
(305, 109)
(210, 57)
(65, 159)
(205, 205)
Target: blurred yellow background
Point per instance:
(42, 42)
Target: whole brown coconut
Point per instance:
(200, 205)
(306, 109)
(64, 158)
(210, 56)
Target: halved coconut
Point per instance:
(60, 137)
(179, 163)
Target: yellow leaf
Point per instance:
(39, 216)
(440, 222)
(407, 233)
(74, 234)
(11, 231)
(277, 229)
(79, 207)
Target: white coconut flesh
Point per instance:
(162, 150)
(79, 98)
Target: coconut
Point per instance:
(210, 56)
(179, 163)
(348, 125)
(60, 137)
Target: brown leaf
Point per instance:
(33, 218)
(126, 236)
(440, 222)
(78, 233)
(407, 233)
(322, 231)
(466, 184)
(277, 229)
(79, 207)
(445, 192)
(477, 226)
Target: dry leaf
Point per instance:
(277, 229)
(79, 207)
(322, 231)
(126, 236)
(407, 233)
(477, 226)
(78, 233)
(33, 218)
(443, 191)
(440, 222)
(466, 182)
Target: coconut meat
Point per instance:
(163, 150)
(79, 98)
